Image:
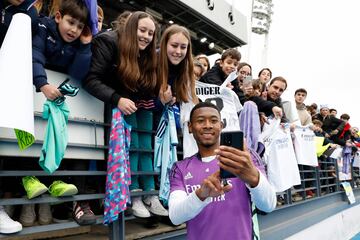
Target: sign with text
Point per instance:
(25, 139)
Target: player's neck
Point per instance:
(206, 151)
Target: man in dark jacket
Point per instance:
(332, 126)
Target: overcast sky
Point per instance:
(315, 45)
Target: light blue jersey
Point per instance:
(165, 154)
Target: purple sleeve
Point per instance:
(176, 179)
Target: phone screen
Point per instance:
(247, 82)
(234, 139)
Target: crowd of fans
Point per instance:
(123, 68)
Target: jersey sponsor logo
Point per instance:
(192, 188)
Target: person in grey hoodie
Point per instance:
(304, 115)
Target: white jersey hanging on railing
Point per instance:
(356, 162)
(282, 169)
(304, 145)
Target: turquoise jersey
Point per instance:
(56, 136)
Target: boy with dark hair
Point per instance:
(304, 116)
(62, 43)
(218, 73)
(318, 131)
(345, 135)
(333, 112)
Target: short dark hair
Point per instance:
(301, 90)
(202, 105)
(280, 79)
(318, 122)
(75, 8)
(332, 109)
(232, 53)
(345, 116)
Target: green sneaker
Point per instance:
(33, 186)
(61, 189)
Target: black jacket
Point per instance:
(331, 123)
(103, 80)
(264, 106)
(214, 76)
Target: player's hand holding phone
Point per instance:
(235, 162)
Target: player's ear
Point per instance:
(190, 127)
(221, 125)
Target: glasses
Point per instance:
(245, 73)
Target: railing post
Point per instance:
(117, 228)
(318, 181)
(337, 176)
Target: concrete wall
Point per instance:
(341, 226)
(82, 107)
(219, 16)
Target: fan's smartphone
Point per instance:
(234, 139)
(247, 82)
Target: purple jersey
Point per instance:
(227, 216)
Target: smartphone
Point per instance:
(247, 82)
(233, 139)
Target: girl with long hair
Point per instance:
(176, 69)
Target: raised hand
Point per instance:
(212, 187)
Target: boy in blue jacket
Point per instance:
(62, 43)
(8, 8)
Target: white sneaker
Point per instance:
(139, 209)
(27, 215)
(7, 225)
(154, 205)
